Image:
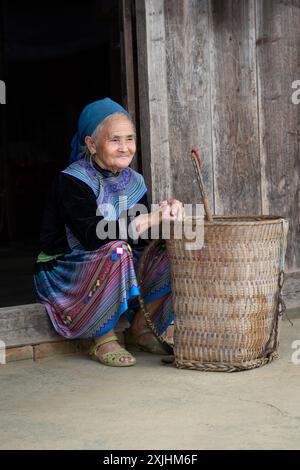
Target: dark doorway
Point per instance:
(56, 57)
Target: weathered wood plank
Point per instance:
(29, 324)
(153, 98)
(188, 75)
(278, 55)
(128, 83)
(234, 107)
(26, 324)
(143, 84)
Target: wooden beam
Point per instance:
(234, 107)
(26, 324)
(129, 84)
(29, 324)
(153, 98)
(189, 107)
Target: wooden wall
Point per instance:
(218, 74)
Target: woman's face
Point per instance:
(115, 146)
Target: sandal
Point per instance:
(152, 345)
(111, 358)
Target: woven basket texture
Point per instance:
(226, 295)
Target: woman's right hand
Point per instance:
(155, 218)
(166, 210)
(176, 209)
(162, 214)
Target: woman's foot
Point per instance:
(139, 334)
(108, 351)
(145, 340)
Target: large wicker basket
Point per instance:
(227, 295)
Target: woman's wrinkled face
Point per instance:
(116, 144)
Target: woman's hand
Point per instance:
(175, 207)
(170, 209)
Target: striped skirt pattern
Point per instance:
(86, 292)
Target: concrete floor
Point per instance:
(70, 402)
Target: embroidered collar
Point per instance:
(117, 192)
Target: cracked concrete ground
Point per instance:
(70, 402)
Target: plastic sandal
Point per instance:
(111, 358)
(152, 345)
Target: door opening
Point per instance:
(58, 57)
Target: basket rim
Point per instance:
(241, 220)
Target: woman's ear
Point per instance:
(90, 144)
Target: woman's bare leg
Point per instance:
(139, 320)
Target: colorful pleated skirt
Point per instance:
(86, 292)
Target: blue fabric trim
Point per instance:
(156, 295)
(168, 323)
(123, 307)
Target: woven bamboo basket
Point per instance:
(227, 295)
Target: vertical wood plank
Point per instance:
(129, 85)
(153, 98)
(128, 76)
(187, 49)
(143, 85)
(234, 107)
(278, 59)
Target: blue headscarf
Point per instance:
(91, 116)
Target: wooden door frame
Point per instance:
(129, 82)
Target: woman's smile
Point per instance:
(115, 147)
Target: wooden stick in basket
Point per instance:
(198, 170)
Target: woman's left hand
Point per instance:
(176, 208)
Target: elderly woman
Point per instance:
(87, 282)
